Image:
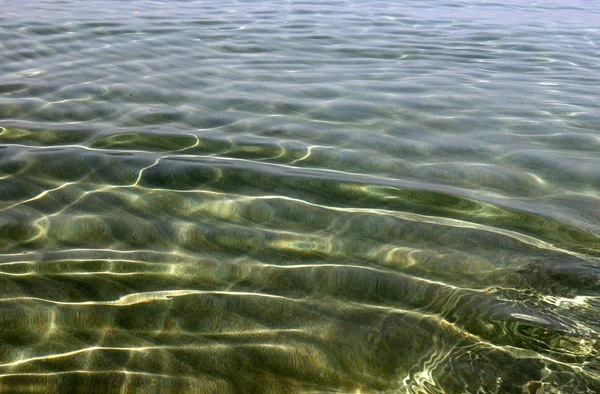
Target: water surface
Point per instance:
(300, 196)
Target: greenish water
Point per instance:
(296, 196)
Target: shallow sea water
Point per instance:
(300, 196)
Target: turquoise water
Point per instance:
(300, 196)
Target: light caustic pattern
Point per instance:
(255, 198)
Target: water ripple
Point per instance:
(299, 197)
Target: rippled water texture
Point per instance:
(300, 196)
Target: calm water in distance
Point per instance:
(300, 196)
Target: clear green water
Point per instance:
(300, 196)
